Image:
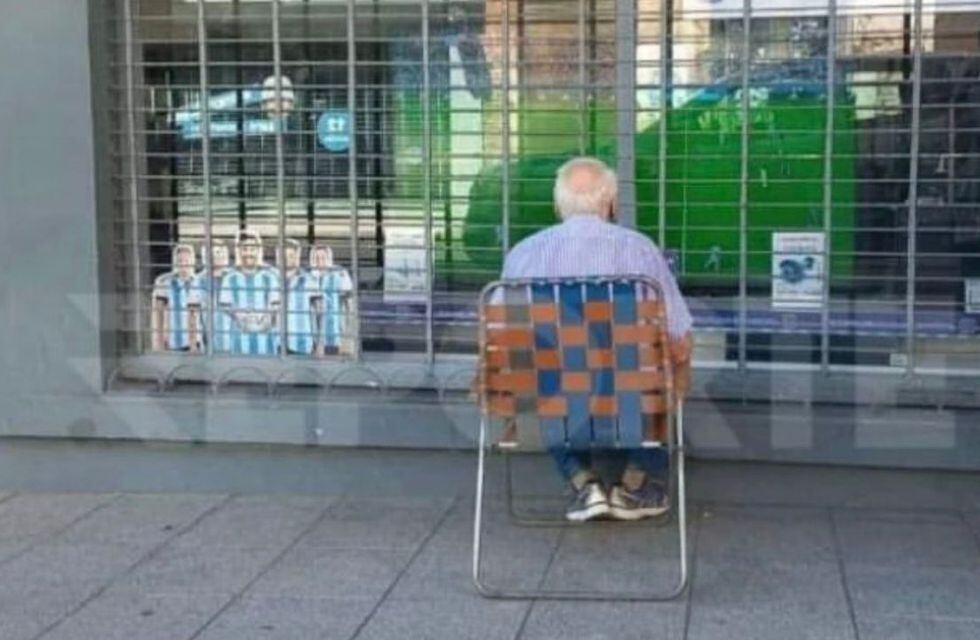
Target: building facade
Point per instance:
(267, 221)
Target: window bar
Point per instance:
(427, 181)
(583, 95)
(665, 60)
(828, 181)
(626, 110)
(352, 178)
(202, 62)
(505, 124)
(743, 198)
(913, 189)
(280, 180)
(134, 198)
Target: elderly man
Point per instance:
(588, 243)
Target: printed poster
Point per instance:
(798, 269)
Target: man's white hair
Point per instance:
(593, 195)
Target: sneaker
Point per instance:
(589, 503)
(650, 500)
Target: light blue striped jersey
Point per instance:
(252, 298)
(302, 289)
(335, 286)
(179, 296)
(222, 321)
(586, 245)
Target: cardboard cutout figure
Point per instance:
(302, 296)
(250, 294)
(176, 305)
(336, 318)
(208, 278)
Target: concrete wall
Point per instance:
(56, 333)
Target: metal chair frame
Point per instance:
(674, 441)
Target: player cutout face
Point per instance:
(320, 259)
(219, 257)
(184, 264)
(248, 254)
(292, 258)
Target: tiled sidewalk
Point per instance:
(778, 552)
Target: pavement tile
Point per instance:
(119, 615)
(447, 617)
(372, 523)
(791, 535)
(597, 572)
(905, 544)
(206, 570)
(445, 570)
(31, 515)
(54, 564)
(605, 621)
(333, 573)
(255, 521)
(24, 613)
(146, 519)
(902, 628)
(919, 591)
(770, 624)
(289, 618)
(498, 529)
(972, 518)
(757, 586)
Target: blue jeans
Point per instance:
(654, 462)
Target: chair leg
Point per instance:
(499, 593)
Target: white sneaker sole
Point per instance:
(594, 511)
(637, 514)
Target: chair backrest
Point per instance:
(586, 356)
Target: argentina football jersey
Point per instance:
(203, 284)
(335, 286)
(302, 289)
(252, 299)
(179, 295)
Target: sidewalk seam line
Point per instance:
(237, 596)
(691, 579)
(842, 572)
(404, 570)
(146, 557)
(544, 577)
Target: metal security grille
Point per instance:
(811, 169)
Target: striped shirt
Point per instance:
(250, 297)
(222, 321)
(302, 289)
(179, 296)
(586, 245)
(335, 285)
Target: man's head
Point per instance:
(248, 248)
(585, 186)
(184, 261)
(293, 252)
(219, 256)
(321, 257)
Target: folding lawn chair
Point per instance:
(588, 358)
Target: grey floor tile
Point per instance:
(29, 515)
(290, 618)
(898, 591)
(792, 535)
(10, 548)
(256, 521)
(710, 623)
(446, 570)
(130, 615)
(755, 587)
(445, 618)
(605, 621)
(597, 572)
(54, 564)
(378, 523)
(333, 573)
(24, 613)
(893, 543)
(972, 519)
(140, 518)
(902, 628)
(498, 528)
(183, 570)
